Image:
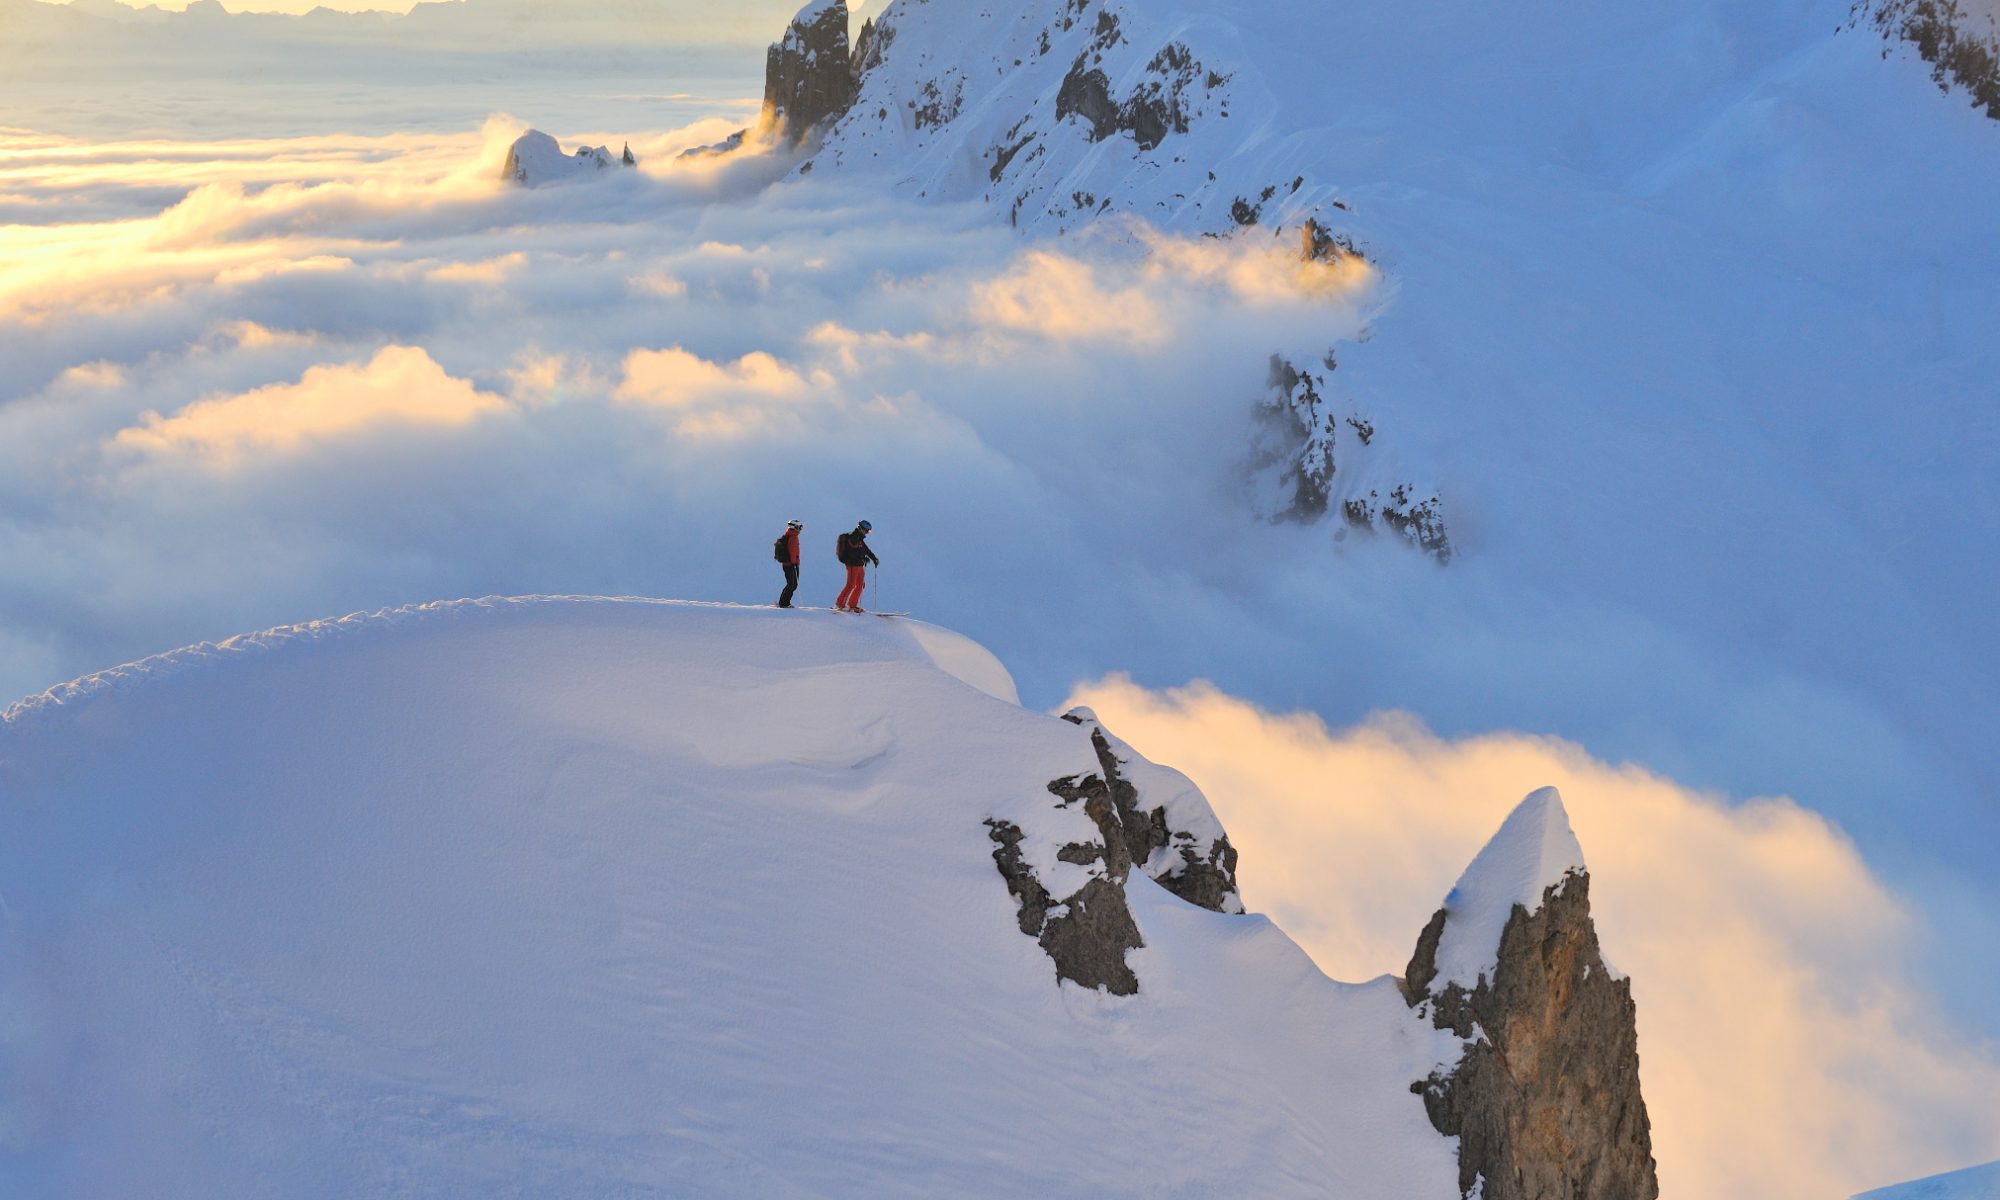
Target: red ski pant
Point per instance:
(850, 596)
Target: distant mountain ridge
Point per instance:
(477, 21)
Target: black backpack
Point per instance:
(841, 548)
(781, 550)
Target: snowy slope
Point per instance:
(1206, 115)
(1973, 1183)
(593, 897)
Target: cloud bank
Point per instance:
(1788, 1049)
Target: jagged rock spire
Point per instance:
(808, 76)
(1545, 1100)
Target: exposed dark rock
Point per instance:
(1086, 92)
(1088, 932)
(1160, 105)
(1317, 243)
(1960, 51)
(1203, 875)
(1545, 1101)
(934, 106)
(1416, 517)
(869, 47)
(1296, 437)
(809, 78)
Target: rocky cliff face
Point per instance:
(1147, 817)
(809, 78)
(1545, 1101)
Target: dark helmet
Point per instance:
(865, 527)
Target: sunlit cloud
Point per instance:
(400, 386)
(1785, 1048)
(675, 378)
(1055, 296)
(487, 272)
(1262, 270)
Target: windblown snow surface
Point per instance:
(570, 897)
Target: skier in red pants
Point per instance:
(855, 556)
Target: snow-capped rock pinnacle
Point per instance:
(1545, 1098)
(1534, 852)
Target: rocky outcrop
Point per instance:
(1545, 1100)
(1962, 46)
(536, 159)
(1145, 817)
(1168, 831)
(1087, 932)
(1161, 104)
(809, 77)
(1311, 457)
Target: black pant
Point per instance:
(791, 585)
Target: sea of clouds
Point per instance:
(262, 379)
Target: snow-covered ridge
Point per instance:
(1058, 113)
(615, 894)
(954, 653)
(609, 895)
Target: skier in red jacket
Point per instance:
(787, 551)
(855, 556)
